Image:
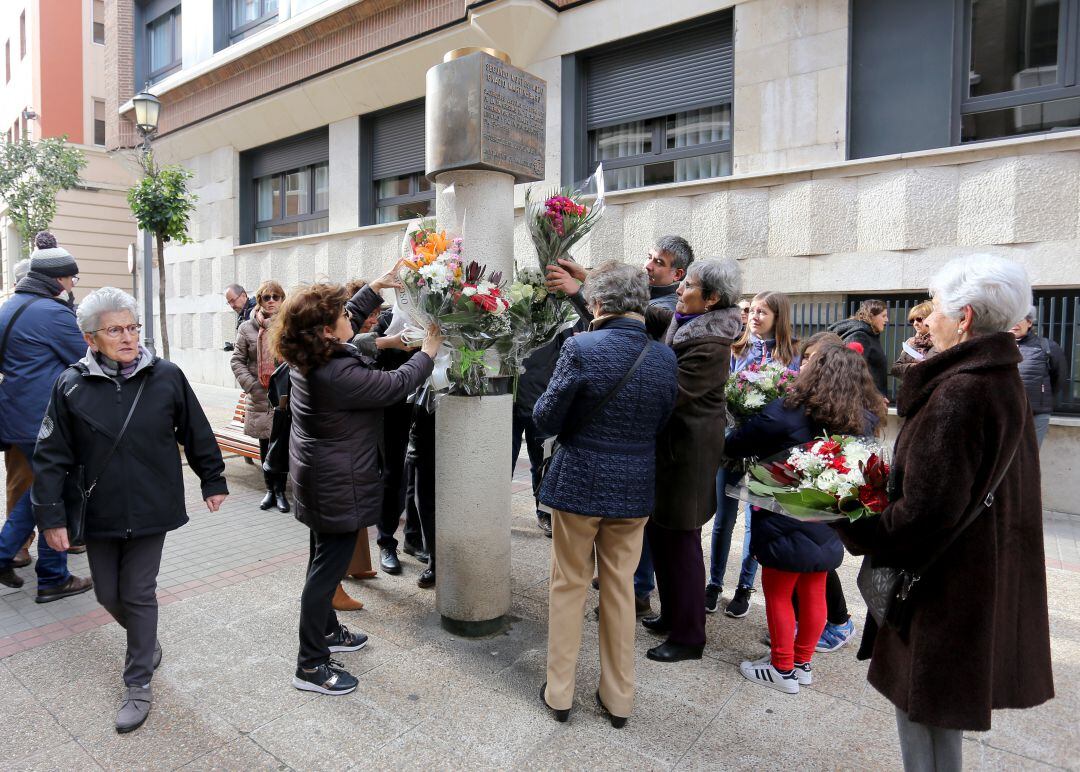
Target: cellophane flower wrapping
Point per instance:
(537, 317)
(752, 388)
(559, 218)
(828, 479)
(459, 296)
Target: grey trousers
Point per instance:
(125, 582)
(928, 748)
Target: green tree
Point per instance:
(162, 205)
(31, 174)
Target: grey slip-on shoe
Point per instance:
(135, 708)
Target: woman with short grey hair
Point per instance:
(701, 330)
(965, 516)
(611, 392)
(112, 428)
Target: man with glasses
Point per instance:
(39, 338)
(238, 300)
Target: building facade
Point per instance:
(839, 149)
(54, 86)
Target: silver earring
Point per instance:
(960, 331)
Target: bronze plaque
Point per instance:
(483, 113)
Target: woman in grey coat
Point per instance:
(253, 364)
(335, 462)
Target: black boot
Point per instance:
(279, 497)
(268, 499)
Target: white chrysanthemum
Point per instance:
(755, 400)
(468, 291)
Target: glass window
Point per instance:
(403, 198)
(22, 34)
(268, 194)
(163, 44)
(1027, 119)
(293, 203)
(322, 188)
(1014, 45)
(298, 193)
(99, 122)
(682, 147)
(99, 21)
(249, 16)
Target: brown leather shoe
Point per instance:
(73, 586)
(344, 602)
(364, 575)
(21, 559)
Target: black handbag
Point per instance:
(276, 460)
(550, 448)
(890, 592)
(77, 493)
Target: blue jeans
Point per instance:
(644, 576)
(51, 565)
(1042, 423)
(727, 512)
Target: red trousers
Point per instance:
(778, 586)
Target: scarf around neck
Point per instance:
(39, 284)
(681, 319)
(265, 364)
(112, 368)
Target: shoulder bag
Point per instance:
(276, 460)
(890, 592)
(550, 447)
(77, 493)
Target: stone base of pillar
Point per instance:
(472, 512)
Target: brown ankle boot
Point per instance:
(344, 602)
(360, 566)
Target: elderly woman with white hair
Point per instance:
(110, 437)
(964, 517)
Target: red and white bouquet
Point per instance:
(752, 388)
(828, 479)
(558, 219)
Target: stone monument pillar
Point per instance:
(484, 132)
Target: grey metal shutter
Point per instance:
(305, 149)
(659, 74)
(397, 139)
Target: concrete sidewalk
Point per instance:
(223, 700)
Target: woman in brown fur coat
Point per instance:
(978, 637)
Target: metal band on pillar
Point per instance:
(484, 132)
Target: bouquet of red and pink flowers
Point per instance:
(828, 479)
(752, 388)
(558, 220)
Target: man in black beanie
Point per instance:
(39, 338)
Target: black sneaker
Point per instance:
(344, 640)
(543, 522)
(329, 678)
(740, 604)
(712, 597)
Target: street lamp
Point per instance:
(147, 110)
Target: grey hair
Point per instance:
(1032, 314)
(618, 288)
(721, 277)
(235, 289)
(998, 291)
(21, 269)
(103, 301)
(679, 249)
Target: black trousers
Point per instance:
(680, 581)
(420, 476)
(834, 599)
(274, 482)
(534, 445)
(397, 420)
(328, 560)
(125, 582)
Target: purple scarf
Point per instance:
(681, 319)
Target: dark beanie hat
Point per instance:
(51, 260)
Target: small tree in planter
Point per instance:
(31, 174)
(162, 205)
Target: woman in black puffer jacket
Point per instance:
(865, 328)
(337, 402)
(833, 394)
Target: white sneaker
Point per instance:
(765, 674)
(803, 673)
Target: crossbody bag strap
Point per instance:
(11, 326)
(116, 442)
(589, 416)
(972, 516)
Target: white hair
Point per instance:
(998, 291)
(103, 301)
(718, 276)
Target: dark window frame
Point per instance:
(22, 35)
(236, 34)
(370, 203)
(660, 153)
(308, 149)
(95, 24)
(1067, 87)
(147, 14)
(284, 219)
(414, 196)
(94, 121)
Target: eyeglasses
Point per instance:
(74, 280)
(272, 297)
(117, 330)
(917, 320)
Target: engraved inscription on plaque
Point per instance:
(512, 123)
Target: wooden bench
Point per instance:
(231, 438)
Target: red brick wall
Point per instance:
(119, 70)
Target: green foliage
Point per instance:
(161, 203)
(31, 174)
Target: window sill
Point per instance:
(295, 241)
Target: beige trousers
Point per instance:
(618, 550)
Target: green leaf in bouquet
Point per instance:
(793, 503)
(762, 474)
(820, 500)
(458, 318)
(849, 504)
(762, 489)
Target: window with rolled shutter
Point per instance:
(289, 184)
(657, 108)
(399, 190)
